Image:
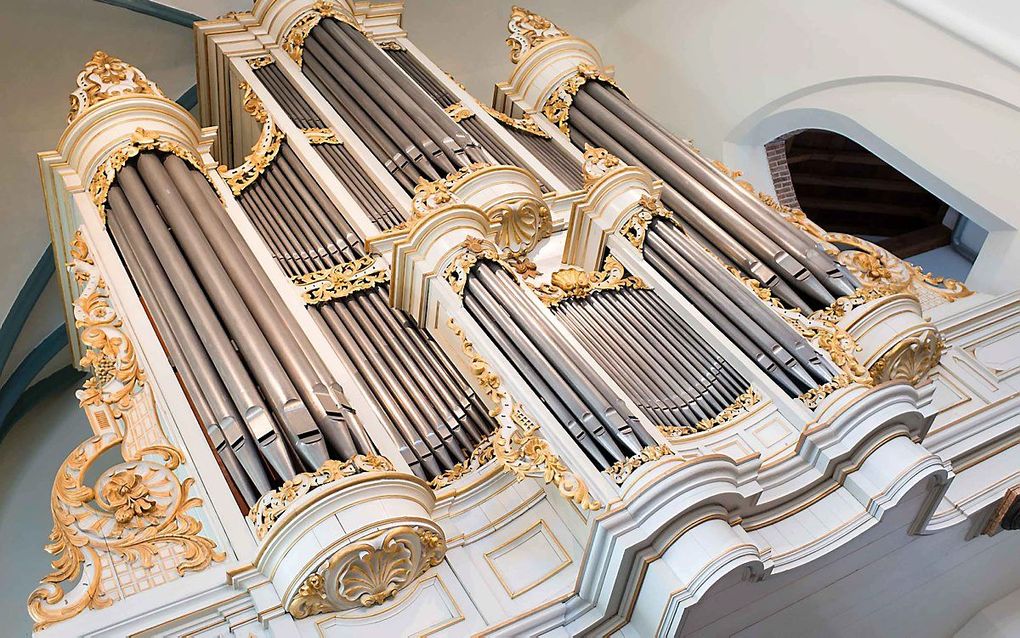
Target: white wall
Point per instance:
(1000, 619)
(733, 74)
(29, 458)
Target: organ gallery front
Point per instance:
(371, 355)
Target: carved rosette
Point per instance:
(368, 573)
(263, 152)
(527, 31)
(273, 505)
(104, 77)
(132, 527)
(341, 280)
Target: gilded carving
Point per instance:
(264, 150)
(260, 61)
(488, 381)
(741, 405)
(478, 249)
(134, 521)
(341, 280)
(516, 444)
(105, 76)
(140, 140)
(294, 42)
(520, 225)
(482, 454)
(813, 397)
(621, 470)
(596, 163)
(635, 229)
(525, 124)
(573, 283)
(458, 112)
(911, 360)
(273, 505)
(557, 106)
(368, 573)
(320, 136)
(527, 31)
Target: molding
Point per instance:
(23, 304)
(156, 10)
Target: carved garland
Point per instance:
(341, 280)
(458, 112)
(741, 405)
(368, 573)
(264, 150)
(527, 31)
(574, 283)
(317, 136)
(482, 454)
(133, 522)
(557, 106)
(294, 41)
(140, 140)
(517, 445)
(105, 76)
(272, 505)
(621, 470)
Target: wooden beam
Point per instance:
(798, 155)
(867, 183)
(918, 241)
(876, 208)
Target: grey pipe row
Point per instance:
(545, 150)
(354, 177)
(552, 156)
(575, 393)
(417, 71)
(764, 336)
(402, 126)
(667, 369)
(731, 220)
(435, 417)
(252, 375)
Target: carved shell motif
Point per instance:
(368, 573)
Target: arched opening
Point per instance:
(846, 188)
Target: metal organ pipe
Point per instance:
(431, 411)
(597, 418)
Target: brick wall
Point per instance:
(775, 152)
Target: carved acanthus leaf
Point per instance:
(132, 527)
(574, 283)
(262, 152)
(527, 31)
(341, 280)
(557, 106)
(105, 76)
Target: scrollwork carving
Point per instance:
(140, 140)
(741, 405)
(294, 42)
(520, 225)
(368, 573)
(135, 520)
(557, 106)
(911, 360)
(527, 31)
(341, 280)
(621, 470)
(574, 283)
(635, 229)
(104, 77)
(272, 505)
(262, 152)
(596, 163)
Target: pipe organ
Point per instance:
(424, 361)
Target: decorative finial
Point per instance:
(103, 77)
(597, 162)
(528, 30)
